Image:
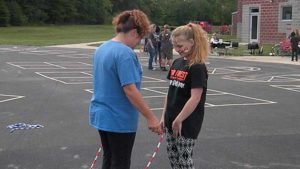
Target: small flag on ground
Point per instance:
(23, 126)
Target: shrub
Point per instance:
(4, 14)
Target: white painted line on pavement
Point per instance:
(12, 97)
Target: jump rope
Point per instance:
(149, 162)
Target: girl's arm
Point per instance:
(187, 110)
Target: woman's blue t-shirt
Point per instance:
(114, 66)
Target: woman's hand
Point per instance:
(154, 125)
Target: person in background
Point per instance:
(298, 36)
(157, 60)
(214, 40)
(294, 44)
(117, 101)
(183, 112)
(296, 31)
(166, 48)
(152, 44)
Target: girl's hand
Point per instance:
(176, 128)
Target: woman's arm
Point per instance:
(137, 100)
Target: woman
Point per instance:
(184, 106)
(116, 100)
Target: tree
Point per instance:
(122, 5)
(4, 14)
(34, 10)
(153, 9)
(61, 11)
(93, 11)
(17, 18)
(172, 12)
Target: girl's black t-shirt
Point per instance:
(182, 79)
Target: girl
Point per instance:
(184, 106)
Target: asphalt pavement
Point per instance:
(251, 115)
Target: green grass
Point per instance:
(54, 35)
(72, 34)
(242, 50)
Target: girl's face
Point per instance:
(182, 45)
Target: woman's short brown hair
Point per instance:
(133, 19)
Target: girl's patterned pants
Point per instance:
(180, 151)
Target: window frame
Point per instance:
(283, 15)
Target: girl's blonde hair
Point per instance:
(200, 50)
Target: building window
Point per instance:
(254, 10)
(287, 13)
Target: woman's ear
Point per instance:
(133, 33)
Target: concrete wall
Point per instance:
(234, 22)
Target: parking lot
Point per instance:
(251, 118)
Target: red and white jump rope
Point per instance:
(96, 157)
(150, 160)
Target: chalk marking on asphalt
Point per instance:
(88, 64)
(233, 69)
(295, 88)
(220, 93)
(14, 97)
(210, 92)
(247, 97)
(53, 65)
(155, 79)
(60, 79)
(155, 91)
(89, 90)
(86, 73)
(269, 165)
(11, 63)
(264, 79)
(75, 55)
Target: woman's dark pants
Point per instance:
(117, 148)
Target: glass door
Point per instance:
(254, 25)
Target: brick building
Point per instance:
(265, 21)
